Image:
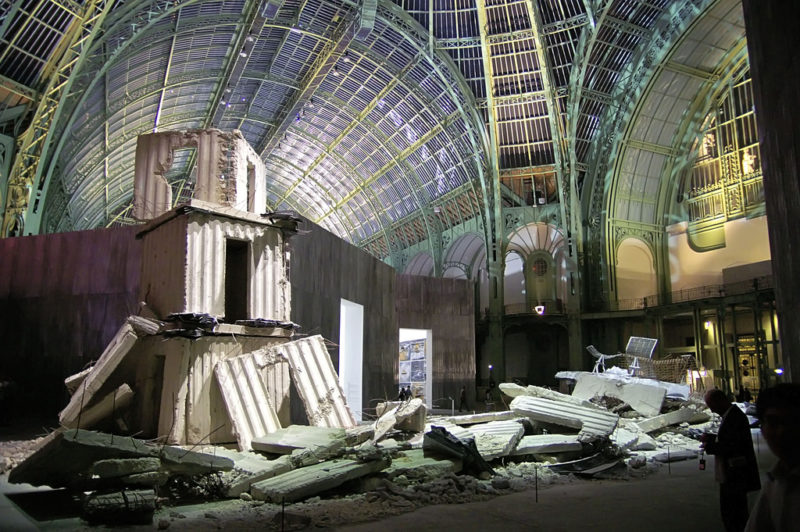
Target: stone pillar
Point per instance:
(772, 42)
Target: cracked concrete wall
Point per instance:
(228, 171)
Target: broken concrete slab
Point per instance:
(547, 444)
(408, 415)
(114, 353)
(358, 434)
(472, 419)
(624, 438)
(515, 390)
(665, 420)
(73, 381)
(114, 402)
(120, 467)
(413, 464)
(674, 390)
(122, 507)
(246, 398)
(317, 383)
(591, 422)
(674, 455)
(248, 468)
(66, 457)
(306, 444)
(646, 400)
(497, 438)
(438, 441)
(308, 481)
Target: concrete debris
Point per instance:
(120, 508)
(646, 400)
(249, 468)
(414, 465)
(439, 441)
(675, 455)
(308, 481)
(515, 390)
(547, 444)
(407, 415)
(674, 391)
(246, 398)
(588, 465)
(472, 419)
(497, 438)
(317, 383)
(590, 422)
(306, 445)
(112, 404)
(73, 381)
(65, 458)
(665, 420)
(121, 467)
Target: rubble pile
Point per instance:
(404, 459)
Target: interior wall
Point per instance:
(636, 275)
(746, 242)
(62, 298)
(447, 308)
(323, 270)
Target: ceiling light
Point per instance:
(346, 57)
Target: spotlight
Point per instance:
(778, 371)
(539, 309)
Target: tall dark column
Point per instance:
(773, 39)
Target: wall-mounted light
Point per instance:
(539, 309)
(708, 325)
(778, 371)
(490, 367)
(437, 209)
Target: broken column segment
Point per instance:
(591, 422)
(644, 399)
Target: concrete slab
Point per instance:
(472, 419)
(317, 383)
(591, 422)
(547, 444)
(413, 464)
(515, 390)
(408, 415)
(64, 456)
(306, 444)
(665, 420)
(308, 481)
(249, 468)
(497, 438)
(246, 398)
(646, 400)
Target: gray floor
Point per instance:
(678, 497)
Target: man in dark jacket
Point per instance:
(735, 466)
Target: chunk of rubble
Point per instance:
(472, 419)
(547, 444)
(497, 438)
(414, 464)
(322, 442)
(113, 403)
(65, 458)
(591, 422)
(308, 481)
(438, 441)
(665, 420)
(674, 390)
(408, 415)
(122, 507)
(646, 400)
(515, 390)
(674, 455)
(249, 468)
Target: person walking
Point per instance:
(462, 400)
(735, 466)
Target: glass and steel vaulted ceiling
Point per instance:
(378, 120)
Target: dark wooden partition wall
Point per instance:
(447, 308)
(62, 298)
(324, 270)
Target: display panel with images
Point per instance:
(413, 367)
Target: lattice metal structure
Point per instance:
(402, 126)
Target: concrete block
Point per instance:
(472, 419)
(308, 481)
(515, 390)
(590, 421)
(413, 464)
(321, 442)
(665, 420)
(646, 400)
(497, 438)
(121, 467)
(547, 444)
(114, 402)
(249, 468)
